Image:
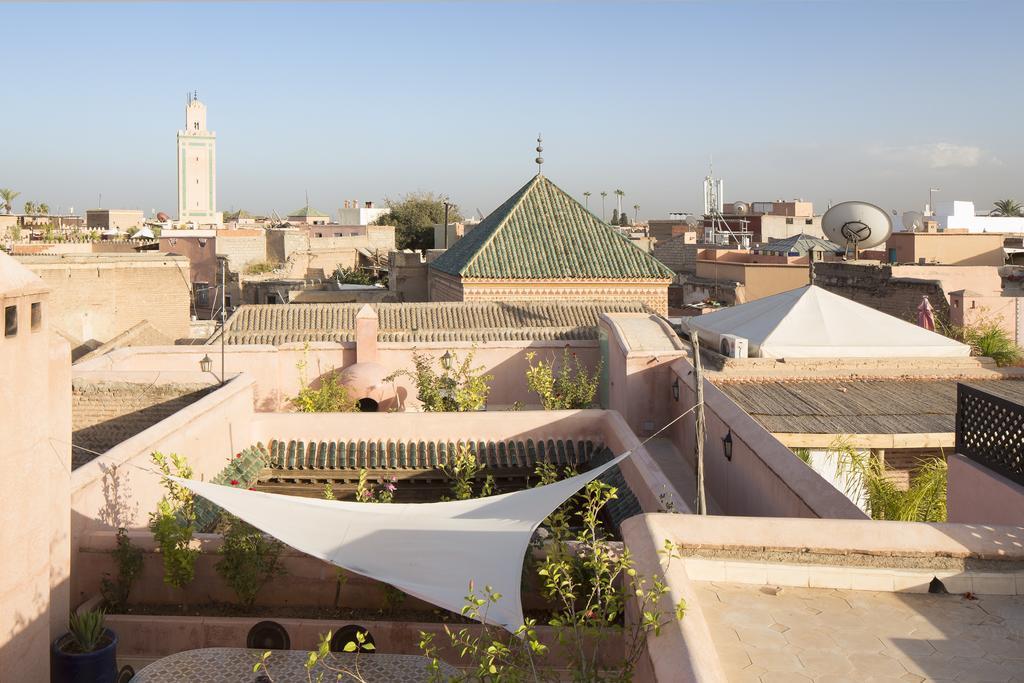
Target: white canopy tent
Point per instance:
(811, 322)
(432, 551)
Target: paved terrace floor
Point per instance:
(808, 634)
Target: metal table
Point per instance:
(234, 665)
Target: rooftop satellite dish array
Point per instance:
(740, 208)
(857, 225)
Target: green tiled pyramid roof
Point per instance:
(308, 212)
(542, 233)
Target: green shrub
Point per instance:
(460, 388)
(249, 559)
(174, 522)
(259, 267)
(329, 397)
(128, 558)
(570, 387)
(463, 469)
(352, 276)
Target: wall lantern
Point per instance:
(727, 445)
(446, 360)
(205, 364)
(675, 389)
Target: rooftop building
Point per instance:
(541, 244)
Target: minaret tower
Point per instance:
(197, 168)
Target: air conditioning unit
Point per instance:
(732, 346)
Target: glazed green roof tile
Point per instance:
(541, 233)
(423, 322)
(307, 212)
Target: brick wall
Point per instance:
(97, 297)
(242, 249)
(103, 414)
(874, 286)
(655, 295)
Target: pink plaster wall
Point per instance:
(277, 377)
(764, 478)
(120, 488)
(35, 410)
(977, 495)
(981, 279)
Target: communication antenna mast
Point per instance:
(719, 231)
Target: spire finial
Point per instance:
(539, 159)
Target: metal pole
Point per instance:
(446, 207)
(698, 378)
(223, 315)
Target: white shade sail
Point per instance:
(811, 322)
(429, 550)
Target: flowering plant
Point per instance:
(569, 386)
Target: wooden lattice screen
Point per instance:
(990, 431)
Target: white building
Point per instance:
(353, 214)
(197, 169)
(960, 215)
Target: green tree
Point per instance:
(44, 209)
(352, 276)
(603, 196)
(586, 199)
(636, 212)
(414, 217)
(619, 194)
(30, 207)
(1007, 207)
(7, 195)
(623, 220)
(174, 522)
(615, 217)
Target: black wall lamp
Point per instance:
(446, 360)
(675, 390)
(205, 364)
(727, 445)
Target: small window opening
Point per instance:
(10, 321)
(37, 316)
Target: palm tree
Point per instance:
(44, 209)
(636, 213)
(586, 199)
(30, 207)
(603, 195)
(619, 194)
(8, 199)
(1007, 207)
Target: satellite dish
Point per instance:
(692, 221)
(913, 221)
(857, 224)
(740, 208)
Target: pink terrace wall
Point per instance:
(120, 487)
(277, 378)
(977, 495)
(764, 478)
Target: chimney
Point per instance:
(369, 205)
(366, 334)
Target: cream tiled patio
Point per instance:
(768, 634)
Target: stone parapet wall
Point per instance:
(875, 286)
(654, 295)
(242, 250)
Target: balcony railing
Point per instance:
(990, 431)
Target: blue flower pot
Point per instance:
(99, 666)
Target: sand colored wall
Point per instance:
(96, 297)
(977, 495)
(981, 279)
(968, 249)
(35, 421)
(764, 478)
(759, 279)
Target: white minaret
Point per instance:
(197, 168)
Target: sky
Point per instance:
(826, 101)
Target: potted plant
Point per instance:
(87, 653)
